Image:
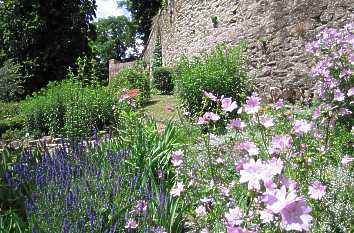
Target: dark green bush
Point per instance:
(67, 109)
(163, 79)
(10, 81)
(133, 78)
(9, 119)
(223, 72)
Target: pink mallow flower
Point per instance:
(250, 147)
(253, 104)
(279, 104)
(131, 224)
(301, 127)
(160, 230)
(295, 214)
(207, 117)
(204, 230)
(228, 105)
(345, 160)
(177, 190)
(210, 95)
(236, 124)
(266, 121)
(200, 211)
(280, 143)
(176, 158)
(338, 95)
(231, 229)
(234, 217)
(254, 172)
(317, 190)
(350, 92)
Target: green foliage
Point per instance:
(114, 36)
(142, 12)
(157, 58)
(45, 37)
(86, 71)
(10, 81)
(163, 79)
(11, 201)
(67, 108)
(133, 78)
(223, 72)
(9, 119)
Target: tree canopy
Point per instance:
(142, 12)
(115, 35)
(45, 36)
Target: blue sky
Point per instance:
(107, 8)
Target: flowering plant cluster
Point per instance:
(267, 173)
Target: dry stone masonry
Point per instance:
(276, 32)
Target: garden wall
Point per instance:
(116, 66)
(276, 32)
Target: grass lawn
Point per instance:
(162, 108)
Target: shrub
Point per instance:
(10, 81)
(9, 119)
(163, 79)
(222, 72)
(133, 78)
(67, 109)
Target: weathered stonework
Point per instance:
(276, 32)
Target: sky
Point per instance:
(107, 8)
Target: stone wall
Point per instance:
(275, 30)
(115, 67)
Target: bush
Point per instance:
(10, 81)
(67, 109)
(222, 72)
(9, 119)
(163, 79)
(133, 78)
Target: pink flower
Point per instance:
(210, 95)
(200, 211)
(279, 104)
(316, 114)
(293, 209)
(317, 190)
(280, 143)
(266, 216)
(204, 230)
(250, 147)
(301, 127)
(253, 104)
(176, 191)
(176, 158)
(160, 230)
(253, 173)
(169, 108)
(227, 105)
(288, 183)
(131, 224)
(239, 166)
(338, 95)
(351, 90)
(234, 216)
(345, 160)
(236, 124)
(225, 191)
(231, 229)
(207, 117)
(266, 121)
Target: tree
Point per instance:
(45, 36)
(115, 35)
(115, 40)
(142, 12)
